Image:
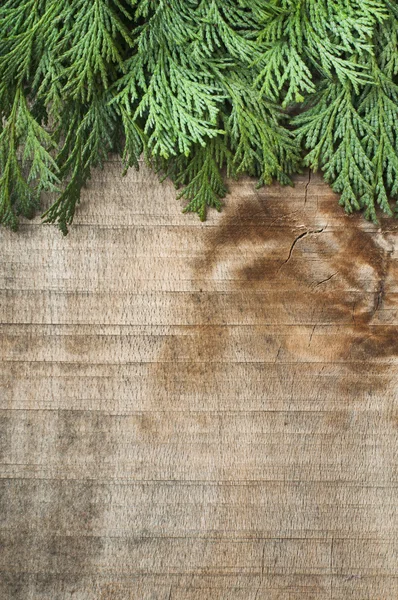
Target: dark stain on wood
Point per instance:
(56, 517)
(352, 255)
(265, 245)
(5, 435)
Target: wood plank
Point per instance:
(240, 344)
(219, 510)
(199, 387)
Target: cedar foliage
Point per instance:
(202, 89)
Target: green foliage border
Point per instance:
(204, 89)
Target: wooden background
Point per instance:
(200, 411)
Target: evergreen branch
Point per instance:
(180, 109)
(379, 108)
(28, 29)
(94, 43)
(261, 145)
(335, 133)
(201, 176)
(88, 141)
(22, 134)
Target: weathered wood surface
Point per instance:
(200, 411)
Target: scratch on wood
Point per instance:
(331, 568)
(312, 333)
(262, 572)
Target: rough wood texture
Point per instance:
(200, 411)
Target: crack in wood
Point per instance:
(306, 187)
(327, 279)
(297, 239)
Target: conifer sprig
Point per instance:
(204, 89)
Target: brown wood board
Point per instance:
(200, 411)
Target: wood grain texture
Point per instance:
(200, 411)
